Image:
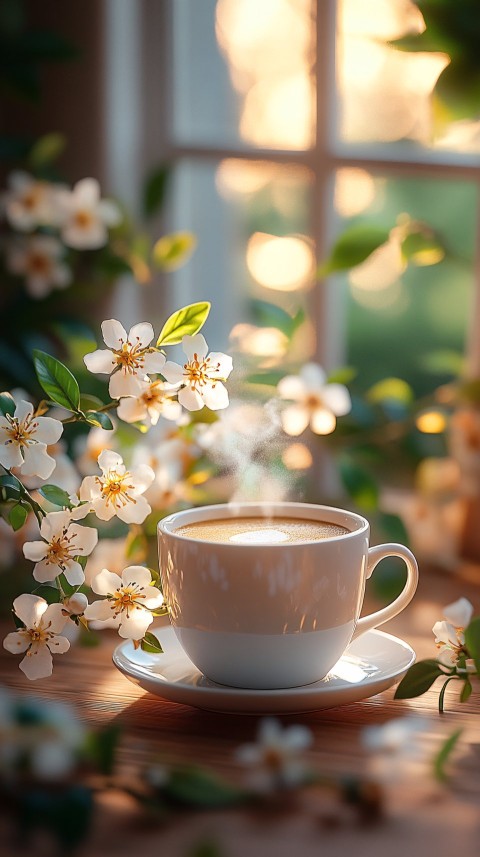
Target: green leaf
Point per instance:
(393, 528)
(9, 488)
(98, 418)
(342, 375)
(55, 495)
(113, 265)
(353, 246)
(472, 641)
(186, 321)
(46, 150)
(266, 314)
(90, 403)
(423, 248)
(57, 381)
(7, 404)
(150, 643)
(360, 485)
(155, 189)
(418, 679)
(197, 788)
(443, 362)
(17, 517)
(390, 389)
(172, 251)
(102, 748)
(444, 754)
(466, 690)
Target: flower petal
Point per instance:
(100, 361)
(114, 333)
(46, 571)
(106, 582)
(37, 663)
(221, 363)
(58, 645)
(459, 613)
(134, 513)
(153, 599)
(141, 334)
(86, 192)
(323, 421)
(104, 510)
(195, 345)
(54, 619)
(110, 460)
(292, 387)
(35, 551)
(132, 410)
(16, 642)
(99, 611)
(30, 609)
(142, 478)
(85, 538)
(337, 398)
(215, 396)
(154, 362)
(89, 489)
(173, 373)
(10, 455)
(37, 461)
(133, 626)
(74, 573)
(23, 411)
(313, 376)
(110, 212)
(49, 430)
(53, 525)
(136, 574)
(190, 399)
(122, 384)
(297, 737)
(295, 420)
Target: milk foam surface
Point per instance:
(255, 530)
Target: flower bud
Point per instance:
(76, 604)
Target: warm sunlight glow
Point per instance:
(259, 341)
(382, 268)
(235, 177)
(285, 264)
(269, 50)
(297, 456)
(355, 190)
(431, 422)
(385, 93)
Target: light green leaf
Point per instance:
(472, 641)
(360, 485)
(418, 679)
(98, 418)
(55, 495)
(422, 248)
(393, 528)
(90, 403)
(17, 517)
(444, 754)
(390, 389)
(195, 787)
(186, 321)
(172, 251)
(353, 246)
(46, 150)
(150, 643)
(270, 315)
(57, 381)
(466, 690)
(342, 375)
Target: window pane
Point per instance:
(243, 72)
(252, 223)
(426, 92)
(408, 303)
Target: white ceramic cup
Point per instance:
(272, 615)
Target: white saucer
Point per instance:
(370, 665)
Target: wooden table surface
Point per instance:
(419, 815)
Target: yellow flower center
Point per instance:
(313, 401)
(154, 395)
(21, 432)
(115, 488)
(61, 550)
(83, 219)
(197, 372)
(125, 598)
(131, 357)
(39, 263)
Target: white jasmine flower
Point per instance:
(39, 260)
(117, 491)
(66, 474)
(276, 757)
(64, 539)
(88, 447)
(129, 600)
(108, 552)
(201, 375)
(29, 203)
(86, 217)
(169, 458)
(24, 438)
(315, 402)
(398, 748)
(40, 636)
(128, 357)
(152, 401)
(450, 633)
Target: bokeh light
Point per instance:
(281, 263)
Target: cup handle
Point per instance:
(375, 555)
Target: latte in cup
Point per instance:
(261, 531)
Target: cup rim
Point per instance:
(225, 510)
